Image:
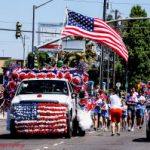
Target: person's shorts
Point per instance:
(132, 109)
(124, 116)
(105, 114)
(139, 113)
(116, 114)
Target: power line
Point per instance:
(87, 1)
(14, 22)
(118, 3)
(28, 31)
(130, 3)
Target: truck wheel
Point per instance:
(75, 126)
(148, 135)
(12, 128)
(81, 132)
(69, 127)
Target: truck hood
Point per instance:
(42, 98)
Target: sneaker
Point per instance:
(132, 129)
(95, 129)
(105, 129)
(140, 127)
(118, 134)
(112, 134)
(129, 129)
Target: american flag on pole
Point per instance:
(96, 30)
(40, 118)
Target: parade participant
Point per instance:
(104, 113)
(115, 112)
(131, 103)
(140, 109)
(83, 101)
(124, 115)
(102, 95)
(97, 88)
(97, 112)
(134, 91)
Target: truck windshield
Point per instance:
(43, 87)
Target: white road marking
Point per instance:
(45, 147)
(91, 132)
(56, 144)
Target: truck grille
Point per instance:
(40, 118)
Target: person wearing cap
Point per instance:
(115, 112)
(60, 64)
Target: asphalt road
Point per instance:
(98, 140)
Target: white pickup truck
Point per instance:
(44, 106)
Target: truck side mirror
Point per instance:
(73, 95)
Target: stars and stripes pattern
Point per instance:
(40, 118)
(96, 30)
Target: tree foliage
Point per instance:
(137, 40)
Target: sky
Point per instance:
(12, 11)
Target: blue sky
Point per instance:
(12, 11)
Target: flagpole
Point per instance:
(126, 84)
(63, 25)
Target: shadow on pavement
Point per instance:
(8, 136)
(141, 140)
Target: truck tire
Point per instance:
(75, 125)
(12, 128)
(69, 127)
(77, 130)
(148, 135)
(81, 132)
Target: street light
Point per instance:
(33, 22)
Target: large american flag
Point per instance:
(96, 30)
(40, 118)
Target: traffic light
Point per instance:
(18, 30)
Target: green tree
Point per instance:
(41, 59)
(137, 40)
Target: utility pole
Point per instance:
(102, 47)
(104, 10)
(33, 24)
(114, 53)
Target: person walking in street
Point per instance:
(140, 109)
(97, 118)
(115, 112)
(104, 113)
(124, 115)
(131, 102)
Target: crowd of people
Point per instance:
(115, 111)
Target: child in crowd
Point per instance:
(104, 113)
(97, 112)
(140, 109)
(124, 115)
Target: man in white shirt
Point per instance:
(115, 112)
